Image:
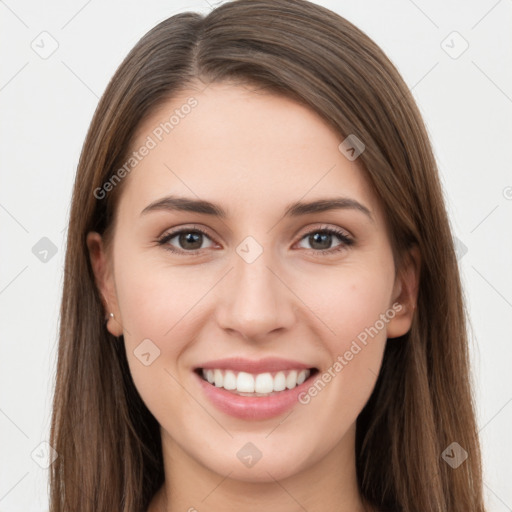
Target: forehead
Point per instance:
(241, 146)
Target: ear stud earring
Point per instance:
(108, 317)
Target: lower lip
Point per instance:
(252, 408)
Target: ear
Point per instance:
(102, 268)
(405, 293)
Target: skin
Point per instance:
(253, 153)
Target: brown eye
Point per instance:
(187, 240)
(321, 240)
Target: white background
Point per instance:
(47, 105)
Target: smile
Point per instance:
(253, 390)
(261, 384)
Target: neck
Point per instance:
(327, 485)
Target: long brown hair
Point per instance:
(108, 442)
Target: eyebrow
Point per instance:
(296, 209)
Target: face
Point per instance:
(264, 296)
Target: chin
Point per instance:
(250, 464)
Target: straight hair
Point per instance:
(108, 442)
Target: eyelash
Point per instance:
(346, 241)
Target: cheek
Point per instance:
(158, 305)
(348, 300)
(155, 299)
(353, 307)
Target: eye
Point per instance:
(190, 240)
(320, 240)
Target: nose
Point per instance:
(256, 302)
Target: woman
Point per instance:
(308, 351)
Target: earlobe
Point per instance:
(405, 294)
(101, 266)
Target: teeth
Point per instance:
(291, 379)
(264, 383)
(245, 383)
(260, 384)
(218, 378)
(229, 381)
(279, 382)
(301, 377)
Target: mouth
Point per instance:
(264, 384)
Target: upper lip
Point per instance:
(268, 364)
